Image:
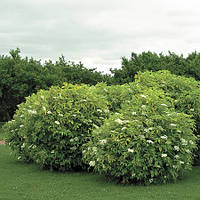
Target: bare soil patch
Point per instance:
(2, 142)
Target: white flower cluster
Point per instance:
(177, 156)
(23, 145)
(92, 163)
(119, 121)
(106, 111)
(176, 148)
(143, 106)
(163, 155)
(103, 141)
(150, 141)
(32, 111)
(148, 129)
(191, 142)
(11, 121)
(130, 150)
(163, 137)
(151, 180)
(141, 136)
(184, 142)
(57, 122)
(134, 113)
(52, 151)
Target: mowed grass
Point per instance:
(20, 181)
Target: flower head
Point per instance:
(32, 111)
(176, 148)
(150, 141)
(92, 163)
(57, 122)
(163, 137)
(184, 142)
(130, 150)
(103, 141)
(119, 121)
(177, 156)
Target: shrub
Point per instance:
(51, 126)
(185, 92)
(116, 95)
(147, 142)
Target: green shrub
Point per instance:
(51, 126)
(116, 95)
(185, 92)
(147, 142)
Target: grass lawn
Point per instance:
(19, 181)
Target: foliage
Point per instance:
(21, 77)
(51, 126)
(147, 142)
(189, 66)
(185, 92)
(116, 95)
(78, 74)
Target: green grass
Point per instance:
(2, 133)
(20, 181)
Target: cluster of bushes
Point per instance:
(21, 77)
(143, 132)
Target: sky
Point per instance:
(98, 33)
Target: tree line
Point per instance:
(21, 77)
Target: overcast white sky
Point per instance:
(98, 32)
